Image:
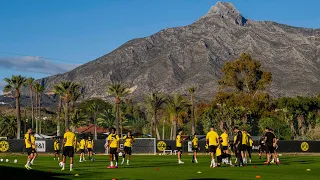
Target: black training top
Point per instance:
(270, 136)
(239, 137)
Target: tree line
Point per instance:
(241, 100)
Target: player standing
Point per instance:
(238, 146)
(225, 144)
(179, 141)
(27, 141)
(128, 140)
(195, 147)
(244, 147)
(271, 143)
(262, 147)
(89, 144)
(114, 147)
(56, 148)
(69, 142)
(82, 147)
(249, 146)
(212, 139)
(34, 148)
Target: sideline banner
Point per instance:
(41, 146)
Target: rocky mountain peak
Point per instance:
(228, 11)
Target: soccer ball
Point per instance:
(92, 159)
(60, 164)
(15, 161)
(120, 153)
(7, 160)
(1, 160)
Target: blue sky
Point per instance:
(73, 32)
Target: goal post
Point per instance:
(144, 146)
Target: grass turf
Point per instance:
(161, 167)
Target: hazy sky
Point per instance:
(72, 32)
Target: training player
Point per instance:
(207, 149)
(69, 142)
(275, 148)
(179, 141)
(128, 140)
(34, 148)
(82, 148)
(114, 147)
(271, 143)
(225, 144)
(249, 146)
(56, 147)
(244, 146)
(195, 147)
(212, 139)
(262, 147)
(238, 146)
(89, 145)
(27, 141)
(222, 155)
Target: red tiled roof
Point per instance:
(90, 129)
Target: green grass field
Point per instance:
(161, 167)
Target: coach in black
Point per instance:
(238, 145)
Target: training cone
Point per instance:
(114, 179)
(254, 167)
(199, 172)
(157, 169)
(258, 177)
(49, 171)
(76, 175)
(308, 169)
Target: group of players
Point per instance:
(218, 146)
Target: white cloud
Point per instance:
(35, 64)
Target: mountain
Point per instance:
(177, 58)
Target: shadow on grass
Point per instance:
(21, 173)
(207, 179)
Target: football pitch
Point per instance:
(162, 167)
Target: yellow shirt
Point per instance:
(128, 141)
(212, 136)
(178, 141)
(218, 151)
(195, 142)
(225, 139)
(33, 141)
(114, 138)
(27, 137)
(250, 142)
(70, 139)
(244, 138)
(89, 143)
(82, 144)
(56, 146)
(234, 138)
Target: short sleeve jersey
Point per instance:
(27, 139)
(178, 141)
(70, 139)
(195, 142)
(56, 146)
(82, 144)
(212, 137)
(225, 138)
(128, 141)
(89, 143)
(114, 140)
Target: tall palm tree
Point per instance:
(38, 89)
(191, 91)
(58, 91)
(176, 107)
(117, 90)
(154, 102)
(30, 83)
(94, 109)
(14, 84)
(75, 94)
(106, 119)
(78, 118)
(67, 88)
(8, 126)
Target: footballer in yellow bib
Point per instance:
(128, 140)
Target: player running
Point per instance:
(69, 142)
(238, 146)
(225, 144)
(89, 145)
(249, 146)
(212, 139)
(82, 147)
(27, 141)
(56, 148)
(195, 148)
(128, 140)
(34, 148)
(114, 148)
(179, 141)
(271, 143)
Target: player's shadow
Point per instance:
(20, 173)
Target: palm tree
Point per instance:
(38, 89)
(192, 91)
(14, 84)
(94, 109)
(154, 102)
(58, 91)
(75, 94)
(176, 107)
(106, 119)
(8, 126)
(67, 88)
(117, 90)
(30, 83)
(78, 119)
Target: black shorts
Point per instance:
(29, 151)
(212, 149)
(244, 147)
(68, 151)
(249, 148)
(57, 151)
(179, 149)
(224, 148)
(89, 149)
(195, 149)
(81, 151)
(270, 149)
(127, 150)
(34, 150)
(113, 150)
